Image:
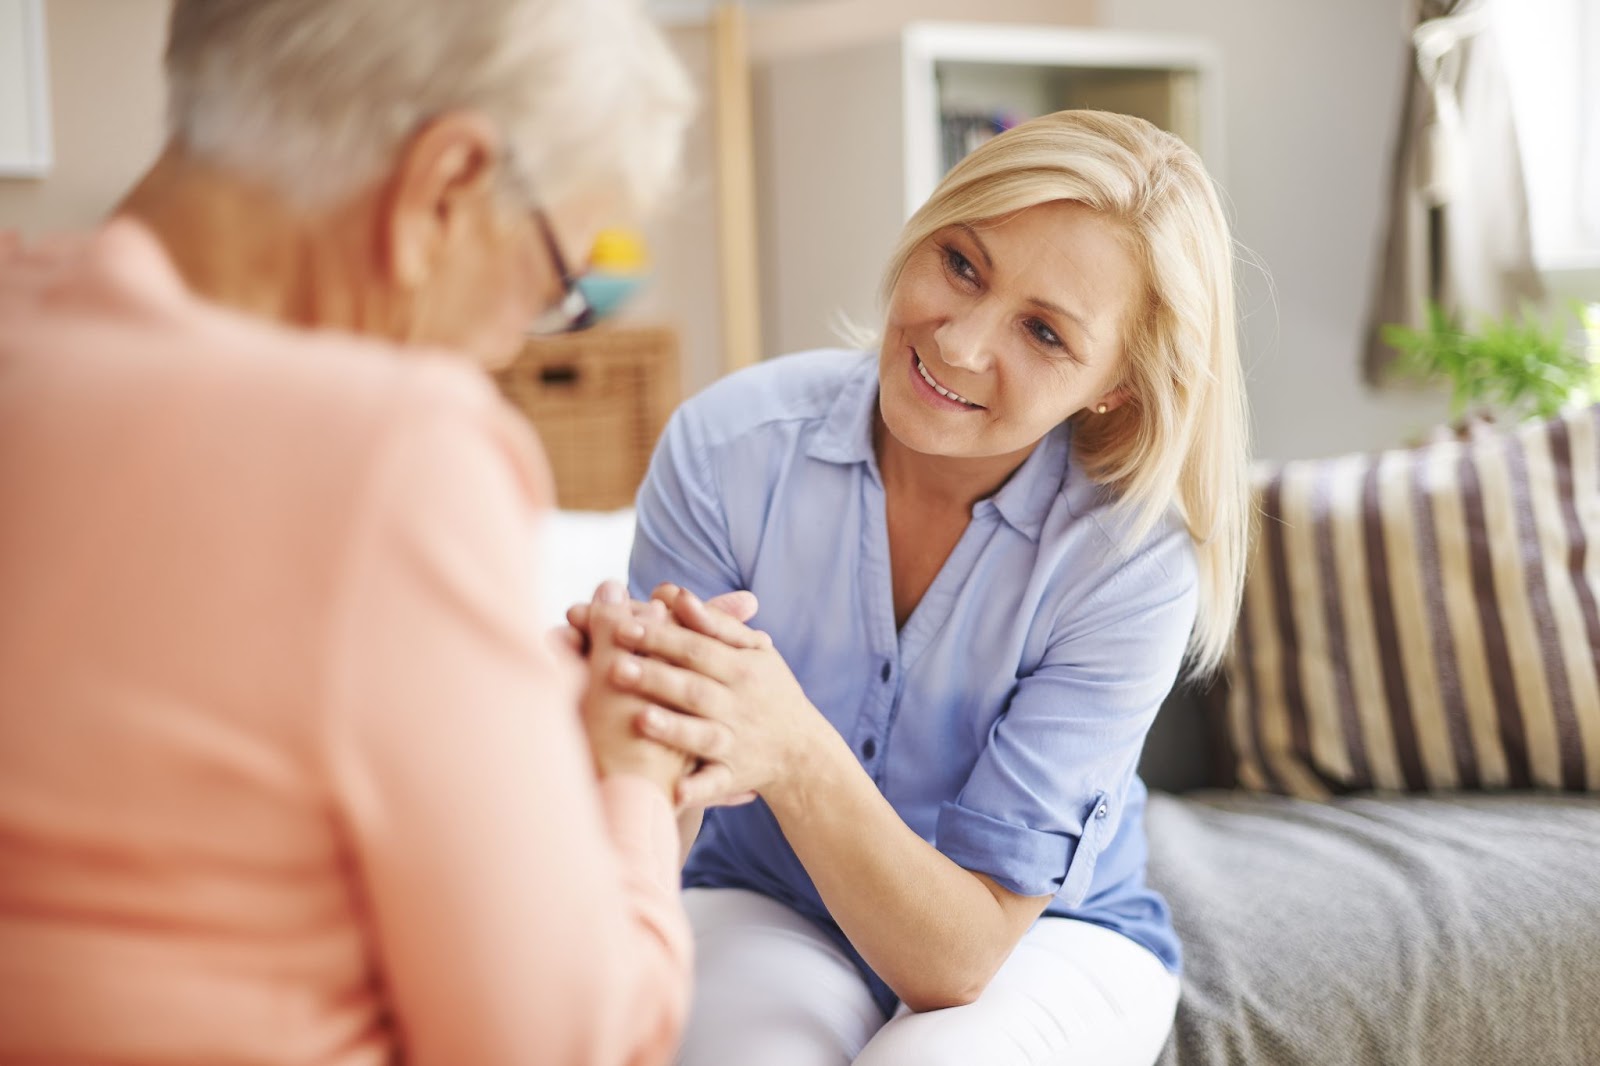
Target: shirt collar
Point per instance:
(846, 433)
(1023, 501)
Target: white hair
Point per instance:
(315, 97)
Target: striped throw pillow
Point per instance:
(1425, 619)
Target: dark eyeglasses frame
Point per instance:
(573, 313)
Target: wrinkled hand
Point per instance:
(722, 694)
(610, 715)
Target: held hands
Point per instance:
(575, 634)
(721, 694)
(613, 716)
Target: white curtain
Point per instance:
(1458, 228)
(1589, 117)
(1551, 50)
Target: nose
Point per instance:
(970, 340)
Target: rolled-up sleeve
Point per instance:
(1047, 792)
(682, 534)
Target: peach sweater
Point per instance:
(288, 773)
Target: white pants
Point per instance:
(772, 990)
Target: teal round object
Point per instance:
(607, 292)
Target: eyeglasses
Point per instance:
(574, 312)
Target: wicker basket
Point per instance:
(599, 401)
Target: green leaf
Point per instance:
(1517, 364)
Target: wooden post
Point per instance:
(736, 189)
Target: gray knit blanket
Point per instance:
(1459, 931)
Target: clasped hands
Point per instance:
(722, 715)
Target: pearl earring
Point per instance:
(1102, 409)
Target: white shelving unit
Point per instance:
(850, 141)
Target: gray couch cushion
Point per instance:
(1383, 931)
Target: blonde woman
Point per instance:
(288, 770)
(983, 553)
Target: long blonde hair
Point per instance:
(1182, 439)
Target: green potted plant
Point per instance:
(1512, 367)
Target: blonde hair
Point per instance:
(314, 97)
(1182, 439)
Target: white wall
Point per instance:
(685, 284)
(106, 104)
(782, 29)
(1312, 93)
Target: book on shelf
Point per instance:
(961, 132)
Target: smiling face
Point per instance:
(997, 333)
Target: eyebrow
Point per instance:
(1071, 316)
(983, 249)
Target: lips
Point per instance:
(939, 387)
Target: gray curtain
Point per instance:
(1458, 228)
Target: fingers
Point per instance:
(741, 606)
(610, 597)
(701, 788)
(578, 614)
(604, 619)
(670, 686)
(680, 647)
(710, 786)
(569, 638)
(696, 737)
(693, 613)
(722, 616)
(607, 592)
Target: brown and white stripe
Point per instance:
(1425, 619)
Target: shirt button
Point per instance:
(886, 671)
(869, 747)
(1100, 811)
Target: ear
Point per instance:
(1111, 400)
(444, 177)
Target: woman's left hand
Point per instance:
(741, 706)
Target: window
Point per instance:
(1551, 50)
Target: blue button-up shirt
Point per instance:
(1004, 722)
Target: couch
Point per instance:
(1380, 832)
(1374, 929)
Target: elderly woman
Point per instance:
(983, 553)
(288, 771)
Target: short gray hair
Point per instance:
(314, 97)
